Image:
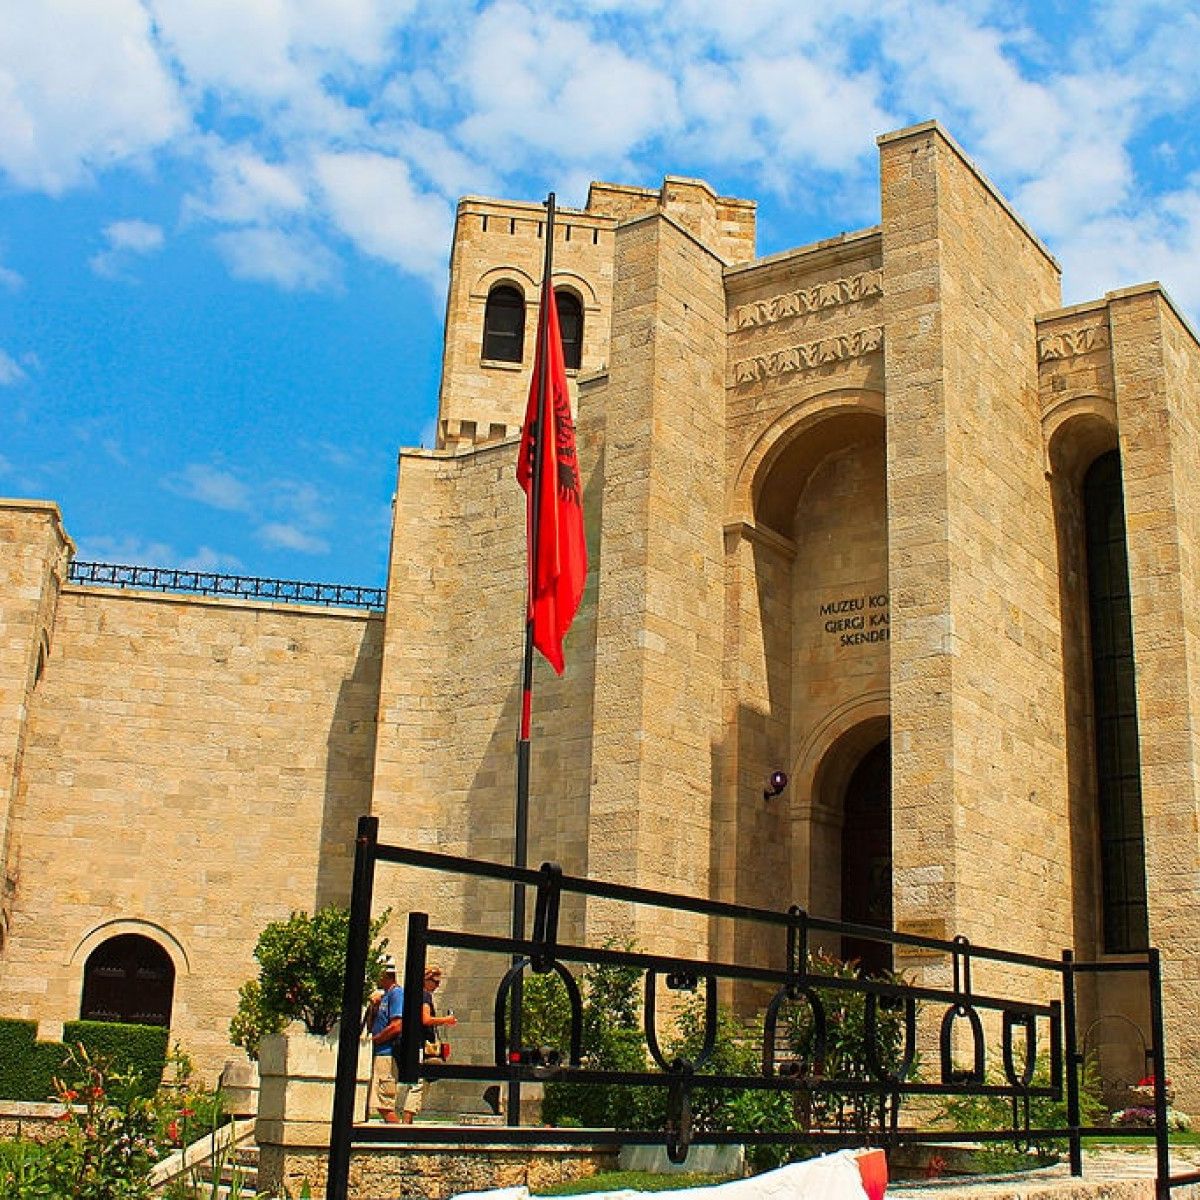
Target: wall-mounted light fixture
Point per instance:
(776, 782)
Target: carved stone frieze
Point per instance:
(1069, 343)
(809, 356)
(827, 294)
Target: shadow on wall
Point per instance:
(349, 768)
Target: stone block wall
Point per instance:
(976, 675)
(660, 576)
(193, 769)
(34, 552)
(1156, 364)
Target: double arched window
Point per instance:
(128, 978)
(504, 324)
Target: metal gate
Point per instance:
(1025, 1024)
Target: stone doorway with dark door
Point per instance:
(867, 857)
(128, 978)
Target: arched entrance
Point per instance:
(128, 978)
(867, 856)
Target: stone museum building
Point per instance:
(878, 512)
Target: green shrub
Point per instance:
(996, 1113)
(845, 1053)
(137, 1052)
(301, 968)
(28, 1067)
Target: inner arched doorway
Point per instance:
(128, 978)
(866, 883)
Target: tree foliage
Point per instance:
(301, 967)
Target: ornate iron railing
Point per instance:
(240, 587)
(1047, 1017)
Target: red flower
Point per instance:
(69, 1094)
(187, 1112)
(97, 1092)
(173, 1131)
(63, 1116)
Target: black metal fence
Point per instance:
(238, 587)
(1024, 1024)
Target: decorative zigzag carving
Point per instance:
(828, 294)
(1069, 343)
(809, 356)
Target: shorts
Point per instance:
(384, 1073)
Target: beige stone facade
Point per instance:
(837, 515)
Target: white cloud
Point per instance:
(283, 536)
(10, 279)
(126, 240)
(536, 81)
(11, 371)
(372, 199)
(211, 486)
(296, 262)
(137, 552)
(81, 89)
(246, 189)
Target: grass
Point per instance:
(638, 1181)
(1176, 1138)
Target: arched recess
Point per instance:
(570, 325)
(151, 929)
(1103, 772)
(827, 770)
(128, 978)
(803, 432)
(807, 578)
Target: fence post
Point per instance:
(356, 967)
(1073, 1060)
(1162, 1147)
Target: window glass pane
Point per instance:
(504, 325)
(1118, 768)
(570, 326)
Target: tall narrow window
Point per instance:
(570, 325)
(1118, 765)
(504, 324)
(128, 978)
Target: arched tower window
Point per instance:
(1118, 764)
(504, 324)
(570, 325)
(128, 978)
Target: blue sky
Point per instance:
(224, 224)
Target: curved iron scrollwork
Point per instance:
(795, 1068)
(962, 1007)
(680, 981)
(679, 1111)
(1013, 1020)
(544, 1062)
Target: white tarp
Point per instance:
(830, 1177)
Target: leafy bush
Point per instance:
(28, 1067)
(996, 1113)
(845, 1053)
(301, 967)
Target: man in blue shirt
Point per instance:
(384, 1021)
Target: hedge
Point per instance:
(28, 1067)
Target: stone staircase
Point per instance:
(220, 1166)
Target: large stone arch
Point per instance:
(805, 427)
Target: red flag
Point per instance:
(558, 560)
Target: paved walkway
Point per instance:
(1108, 1174)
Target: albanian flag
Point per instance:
(556, 547)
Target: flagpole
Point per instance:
(521, 819)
